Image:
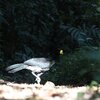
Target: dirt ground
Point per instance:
(48, 91)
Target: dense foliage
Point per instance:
(35, 28)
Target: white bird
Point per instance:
(36, 65)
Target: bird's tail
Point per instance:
(16, 67)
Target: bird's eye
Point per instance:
(61, 52)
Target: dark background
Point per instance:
(42, 28)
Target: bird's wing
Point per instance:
(16, 67)
(40, 62)
(40, 59)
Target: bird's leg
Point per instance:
(39, 74)
(38, 79)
